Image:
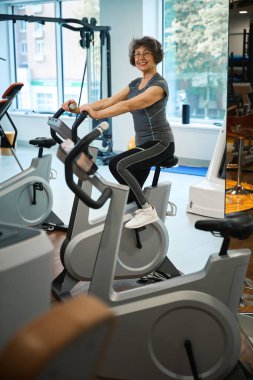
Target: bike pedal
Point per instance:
(140, 229)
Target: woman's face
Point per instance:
(144, 59)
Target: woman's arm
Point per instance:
(100, 104)
(108, 102)
(147, 98)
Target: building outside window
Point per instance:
(22, 27)
(45, 101)
(39, 48)
(37, 69)
(38, 26)
(23, 47)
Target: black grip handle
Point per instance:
(76, 124)
(86, 199)
(53, 133)
(82, 146)
(59, 113)
(55, 136)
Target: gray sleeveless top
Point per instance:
(151, 124)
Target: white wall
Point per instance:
(128, 19)
(195, 144)
(125, 19)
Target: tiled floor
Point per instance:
(189, 248)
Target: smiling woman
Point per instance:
(145, 98)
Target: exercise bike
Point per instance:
(25, 277)
(184, 328)
(141, 251)
(26, 198)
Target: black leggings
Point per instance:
(132, 167)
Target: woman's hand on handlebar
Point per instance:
(66, 105)
(87, 108)
(83, 108)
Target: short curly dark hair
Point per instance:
(151, 44)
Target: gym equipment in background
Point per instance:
(240, 128)
(26, 198)
(207, 197)
(185, 327)
(8, 96)
(25, 277)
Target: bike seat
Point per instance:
(239, 227)
(169, 163)
(43, 142)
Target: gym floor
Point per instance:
(189, 248)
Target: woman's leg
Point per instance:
(140, 174)
(133, 167)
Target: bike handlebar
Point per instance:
(52, 131)
(58, 113)
(73, 131)
(73, 156)
(78, 159)
(76, 124)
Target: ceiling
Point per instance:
(241, 5)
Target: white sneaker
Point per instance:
(142, 217)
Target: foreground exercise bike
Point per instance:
(184, 328)
(25, 277)
(141, 251)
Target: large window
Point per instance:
(37, 68)
(79, 52)
(196, 51)
(50, 59)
